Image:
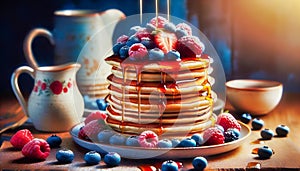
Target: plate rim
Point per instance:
(163, 151)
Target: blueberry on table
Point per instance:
(169, 165)
(265, 152)
(92, 158)
(199, 163)
(246, 118)
(112, 159)
(282, 130)
(54, 141)
(257, 124)
(64, 156)
(267, 134)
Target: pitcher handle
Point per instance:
(16, 88)
(28, 42)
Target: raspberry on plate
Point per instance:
(92, 129)
(148, 139)
(94, 116)
(20, 138)
(36, 149)
(226, 120)
(213, 136)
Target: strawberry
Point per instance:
(166, 41)
(91, 130)
(190, 46)
(226, 120)
(94, 116)
(20, 138)
(213, 136)
(36, 149)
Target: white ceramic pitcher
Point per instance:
(55, 103)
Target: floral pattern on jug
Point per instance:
(52, 87)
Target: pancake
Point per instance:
(151, 90)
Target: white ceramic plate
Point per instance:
(143, 153)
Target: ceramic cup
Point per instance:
(83, 36)
(257, 97)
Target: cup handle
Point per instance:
(28, 42)
(15, 85)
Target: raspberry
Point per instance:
(190, 46)
(20, 138)
(148, 139)
(213, 136)
(122, 39)
(226, 120)
(36, 149)
(91, 130)
(137, 51)
(159, 21)
(185, 27)
(94, 116)
(142, 33)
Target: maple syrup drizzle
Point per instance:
(156, 11)
(141, 11)
(138, 70)
(168, 10)
(124, 71)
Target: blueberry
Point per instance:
(230, 135)
(104, 136)
(220, 127)
(257, 124)
(117, 47)
(156, 54)
(54, 141)
(187, 142)
(175, 142)
(102, 104)
(170, 27)
(180, 33)
(132, 141)
(112, 159)
(173, 55)
(198, 138)
(199, 163)
(264, 152)
(246, 118)
(169, 165)
(132, 40)
(117, 139)
(133, 30)
(164, 143)
(124, 52)
(64, 156)
(267, 134)
(150, 27)
(148, 43)
(282, 130)
(92, 158)
(235, 131)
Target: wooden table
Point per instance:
(287, 149)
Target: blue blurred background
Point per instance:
(254, 39)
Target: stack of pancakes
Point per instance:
(171, 98)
